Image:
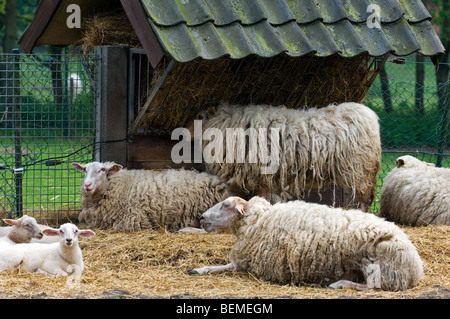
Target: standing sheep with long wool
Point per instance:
(416, 193)
(337, 144)
(298, 242)
(132, 200)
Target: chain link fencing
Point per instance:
(47, 121)
(414, 114)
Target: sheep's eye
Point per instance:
(61, 232)
(103, 169)
(76, 231)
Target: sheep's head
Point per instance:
(96, 175)
(26, 226)
(68, 234)
(220, 215)
(409, 161)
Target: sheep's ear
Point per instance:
(114, 168)
(13, 222)
(86, 233)
(400, 162)
(50, 232)
(79, 167)
(239, 205)
(210, 112)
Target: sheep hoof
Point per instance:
(193, 272)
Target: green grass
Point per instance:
(45, 188)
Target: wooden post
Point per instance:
(111, 104)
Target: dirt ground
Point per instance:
(155, 264)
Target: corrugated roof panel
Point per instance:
(425, 35)
(401, 37)
(294, 39)
(163, 12)
(304, 11)
(276, 11)
(373, 39)
(346, 38)
(415, 10)
(223, 12)
(331, 11)
(191, 29)
(320, 38)
(263, 39)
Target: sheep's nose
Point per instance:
(88, 184)
(69, 241)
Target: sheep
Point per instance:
(313, 148)
(298, 242)
(416, 193)
(132, 200)
(22, 230)
(54, 259)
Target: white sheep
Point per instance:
(298, 242)
(132, 200)
(55, 259)
(314, 148)
(22, 230)
(415, 193)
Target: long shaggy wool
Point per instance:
(416, 194)
(298, 242)
(337, 144)
(141, 199)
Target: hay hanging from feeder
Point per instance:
(108, 28)
(301, 82)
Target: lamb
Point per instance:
(337, 144)
(54, 259)
(298, 242)
(22, 230)
(416, 193)
(132, 200)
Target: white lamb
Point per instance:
(415, 193)
(22, 230)
(54, 259)
(298, 242)
(132, 200)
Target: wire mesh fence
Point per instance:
(46, 122)
(414, 115)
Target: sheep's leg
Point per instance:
(191, 230)
(348, 284)
(211, 269)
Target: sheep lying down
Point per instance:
(298, 242)
(416, 193)
(58, 258)
(132, 200)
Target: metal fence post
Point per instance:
(445, 123)
(18, 178)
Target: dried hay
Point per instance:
(282, 80)
(155, 264)
(107, 28)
